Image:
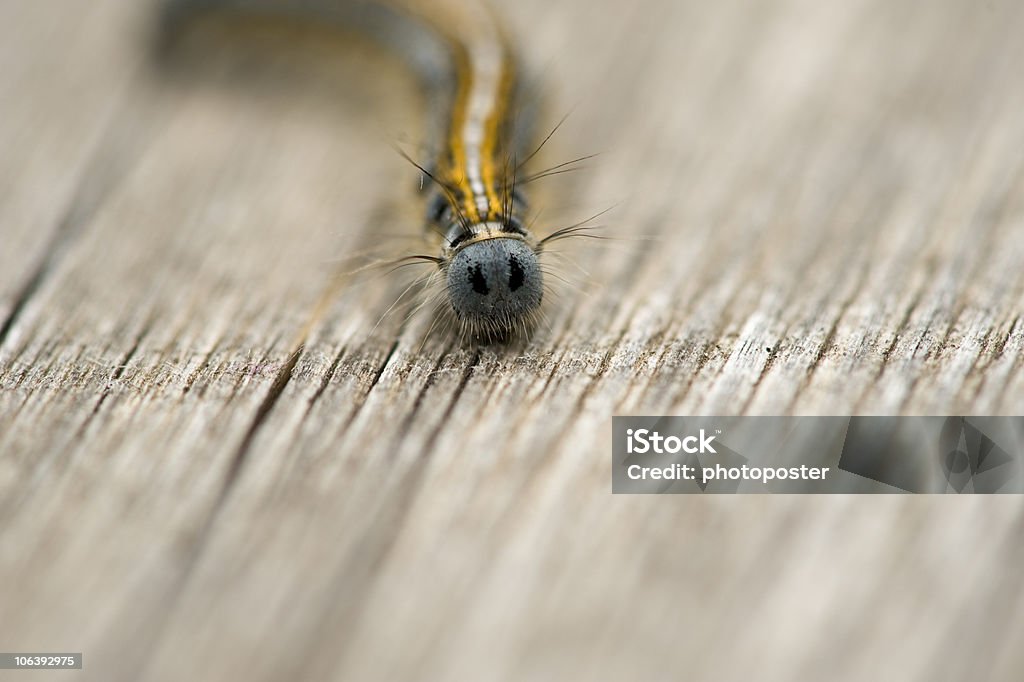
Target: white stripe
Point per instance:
(486, 56)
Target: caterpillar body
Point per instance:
(489, 259)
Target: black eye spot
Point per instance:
(516, 275)
(478, 281)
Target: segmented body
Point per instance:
(489, 258)
(494, 280)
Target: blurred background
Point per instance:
(217, 461)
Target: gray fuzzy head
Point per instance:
(495, 286)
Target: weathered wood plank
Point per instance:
(834, 200)
(55, 113)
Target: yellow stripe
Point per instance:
(453, 25)
(457, 173)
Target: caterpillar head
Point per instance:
(495, 286)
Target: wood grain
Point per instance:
(205, 473)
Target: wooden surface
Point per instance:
(821, 210)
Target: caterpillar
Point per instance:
(489, 259)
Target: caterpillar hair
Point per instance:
(488, 261)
